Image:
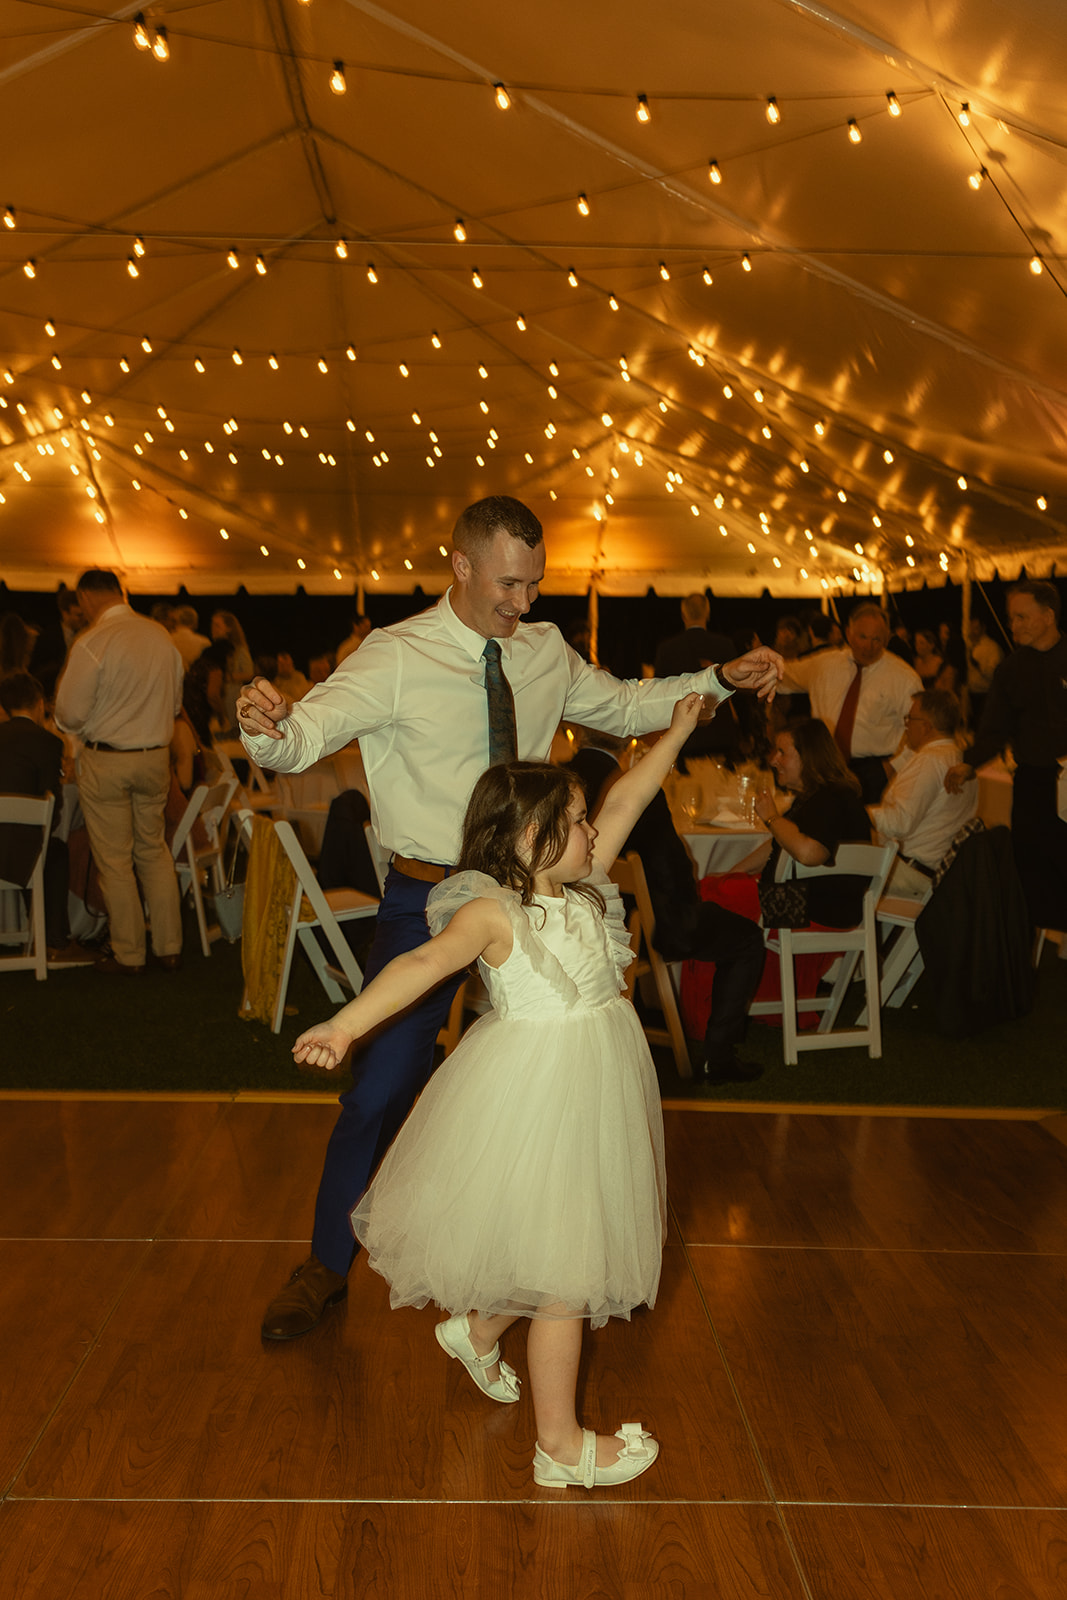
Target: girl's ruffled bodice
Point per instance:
(565, 955)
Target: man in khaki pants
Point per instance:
(119, 694)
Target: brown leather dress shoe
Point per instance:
(116, 968)
(169, 963)
(300, 1305)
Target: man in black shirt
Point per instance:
(1027, 708)
(689, 651)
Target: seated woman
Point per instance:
(826, 812)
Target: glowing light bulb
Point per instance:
(842, 496)
(261, 266)
(404, 370)
(476, 278)
(746, 262)
(757, 395)
(503, 99)
(140, 33)
(237, 358)
(893, 103)
(572, 278)
(962, 482)
(714, 172)
(198, 364)
(520, 323)
(435, 340)
(708, 279)
(138, 246)
(774, 115)
(643, 112)
(1042, 503)
(272, 362)
(132, 268)
(663, 272)
(232, 258)
(372, 276)
(820, 428)
(341, 249)
(1037, 266)
(804, 466)
(337, 78)
(160, 47)
(124, 364)
(766, 432)
(30, 268)
(322, 364)
(964, 114)
(727, 391)
(483, 372)
(50, 328)
(855, 132)
(977, 179)
(583, 205)
(9, 217)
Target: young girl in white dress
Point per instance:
(528, 1180)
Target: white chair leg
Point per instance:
(313, 951)
(40, 944)
(789, 998)
(845, 972)
(874, 1007)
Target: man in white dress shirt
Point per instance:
(119, 694)
(916, 808)
(417, 697)
(886, 686)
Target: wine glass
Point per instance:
(689, 797)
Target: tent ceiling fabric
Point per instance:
(839, 345)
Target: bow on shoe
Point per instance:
(633, 1436)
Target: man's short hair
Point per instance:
(695, 610)
(941, 708)
(20, 691)
(98, 580)
(186, 617)
(868, 608)
(66, 600)
(1045, 594)
(478, 526)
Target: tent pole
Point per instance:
(593, 616)
(965, 628)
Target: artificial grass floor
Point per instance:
(180, 1031)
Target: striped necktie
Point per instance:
(502, 742)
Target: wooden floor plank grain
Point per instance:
(898, 1377)
(868, 1182)
(930, 1553)
(96, 1169)
(55, 1297)
(576, 1550)
(184, 1401)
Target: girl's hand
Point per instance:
(686, 713)
(324, 1046)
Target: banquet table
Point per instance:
(721, 849)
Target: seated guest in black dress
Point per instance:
(31, 763)
(827, 812)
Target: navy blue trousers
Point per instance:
(389, 1074)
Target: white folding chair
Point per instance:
(628, 874)
(29, 812)
(192, 861)
(902, 961)
(331, 908)
(870, 861)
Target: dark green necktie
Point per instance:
(502, 742)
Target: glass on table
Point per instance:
(689, 798)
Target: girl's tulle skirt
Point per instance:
(529, 1177)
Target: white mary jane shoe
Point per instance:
(638, 1452)
(454, 1336)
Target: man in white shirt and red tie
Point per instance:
(434, 701)
(863, 693)
(916, 809)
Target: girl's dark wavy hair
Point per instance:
(509, 799)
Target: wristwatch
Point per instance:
(722, 679)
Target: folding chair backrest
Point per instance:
(873, 861)
(31, 812)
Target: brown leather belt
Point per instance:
(121, 750)
(427, 871)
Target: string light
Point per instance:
(237, 358)
(341, 249)
(132, 268)
(876, 519)
(1042, 503)
(613, 303)
(746, 262)
(30, 268)
(198, 364)
(503, 99)
(757, 395)
(820, 428)
(50, 328)
(774, 115)
(663, 272)
(727, 391)
(404, 370)
(572, 278)
(160, 47)
(1037, 266)
(261, 266)
(272, 362)
(140, 33)
(855, 132)
(337, 78)
(435, 340)
(350, 352)
(977, 179)
(714, 172)
(232, 258)
(643, 112)
(476, 278)
(138, 246)
(372, 276)
(483, 372)
(962, 481)
(893, 103)
(459, 231)
(708, 279)
(964, 114)
(804, 466)
(583, 205)
(520, 323)
(124, 365)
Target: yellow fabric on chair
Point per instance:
(268, 897)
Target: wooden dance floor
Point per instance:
(856, 1369)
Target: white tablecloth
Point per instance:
(722, 849)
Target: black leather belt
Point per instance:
(121, 750)
(920, 866)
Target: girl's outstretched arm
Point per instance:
(630, 794)
(480, 928)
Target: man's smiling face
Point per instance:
(494, 590)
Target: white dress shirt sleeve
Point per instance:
(77, 690)
(359, 697)
(635, 706)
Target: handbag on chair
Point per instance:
(230, 901)
(784, 905)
